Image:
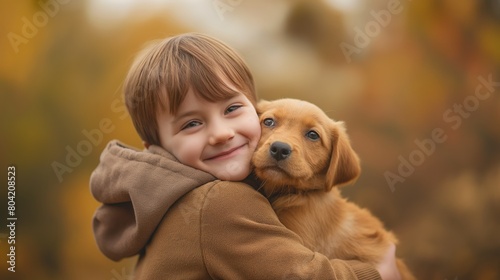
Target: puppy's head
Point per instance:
(301, 148)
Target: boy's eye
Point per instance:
(232, 108)
(190, 124)
(268, 122)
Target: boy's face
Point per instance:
(216, 137)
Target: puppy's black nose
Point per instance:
(280, 150)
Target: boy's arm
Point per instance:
(241, 237)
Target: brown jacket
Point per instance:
(185, 224)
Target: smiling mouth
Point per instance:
(225, 154)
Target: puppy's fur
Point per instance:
(302, 157)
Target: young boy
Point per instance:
(191, 99)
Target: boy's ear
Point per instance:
(146, 144)
(344, 163)
(262, 106)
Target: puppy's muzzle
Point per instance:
(280, 151)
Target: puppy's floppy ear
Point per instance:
(344, 162)
(262, 106)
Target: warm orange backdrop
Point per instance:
(397, 72)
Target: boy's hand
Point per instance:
(387, 267)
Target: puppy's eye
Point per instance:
(268, 122)
(312, 135)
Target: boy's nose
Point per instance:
(220, 134)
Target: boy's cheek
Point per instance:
(257, 130)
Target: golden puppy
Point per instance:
(302, 155)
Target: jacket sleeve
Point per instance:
(242, 238)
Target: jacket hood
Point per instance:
(136, 189)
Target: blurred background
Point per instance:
(416, 82)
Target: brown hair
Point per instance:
(163, 73)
